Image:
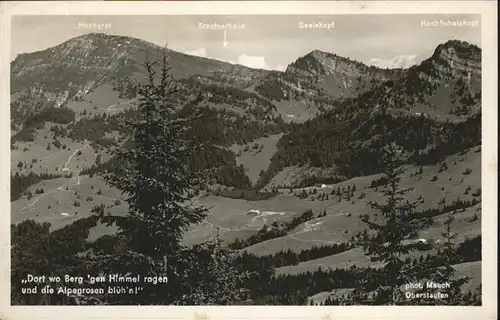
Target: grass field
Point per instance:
(342, 220)
(228, 217)
(38, 159)
(296, 111)
(469, 269)
(65, 196)
(256, 160)
(102, 100)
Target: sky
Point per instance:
(267, 41)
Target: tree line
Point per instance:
(35, 119)
(291, 258)
(20, 183)
(276, 230)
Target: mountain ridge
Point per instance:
(100, 58)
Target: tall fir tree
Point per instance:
(386, 242)
(213, 276)
(153, 176)
(446, 273)
(438, 269)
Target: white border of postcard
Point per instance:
(488, 11)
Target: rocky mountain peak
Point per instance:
(453, 59)
(458, 57)
(323, 63)
(333, 75)
(463, 49)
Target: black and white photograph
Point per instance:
(247, 160)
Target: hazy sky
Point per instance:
(268, 41)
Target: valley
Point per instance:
(294, 156)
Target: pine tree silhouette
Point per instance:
(152, 174)
(386, 245)
(439, 269)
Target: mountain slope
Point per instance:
(100, 57)
(48, 76)
(312, 82)
(251, 104)
(318, 79)
(433, 110)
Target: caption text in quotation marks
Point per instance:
(104, 284)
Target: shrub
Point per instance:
(477, 193)
(57, 143)
(378, 182)
(443, 167)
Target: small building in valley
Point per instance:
(253, 212)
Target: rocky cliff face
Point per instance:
(461, 58)
(326, 74)
(447, 83)
(451, 61)
(319, 63)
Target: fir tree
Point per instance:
(386, 245)
(153, 176)
(212, 276)
(439, 269)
